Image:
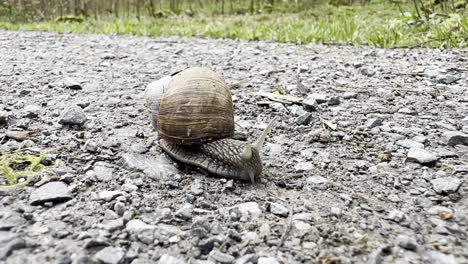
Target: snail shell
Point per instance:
(153, 94)
(195, 108)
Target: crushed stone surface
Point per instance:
(347, 177)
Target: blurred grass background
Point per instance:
(379, 23)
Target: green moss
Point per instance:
(17, 170)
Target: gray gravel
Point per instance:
(371, 169)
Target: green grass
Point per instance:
(17, 170)
(379, 25)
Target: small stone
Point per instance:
(303, 119)
(303, 166)
(112, 225)
(219, 256)
(138, 148)
(3, 118)
(316, 180)
(109, 195)
(55, 192)
(334, 100)
(456, 138)
(310, 104)
(73, 115)
(136, 226)
(278, 209)
(251, 209)
(267, 260)
(448, 79)
(197, 187)
(296, 110)
(103, 172)
(407, 111)
(396, 215)
(446, 185)
(434, 257)
(335, 211)
(406, 143)
(407, 242)
(129, 188)
(367, 72)
(350, 95)
(111, 255)
(31, 111)
(278, 107)
(421, 156)
(318, 97)
(71, 83)
(10, 219)
(185, 212)
(373, 122)
(249, 258)
(168, 259)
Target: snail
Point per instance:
(193, 114)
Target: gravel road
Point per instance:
(371, 167)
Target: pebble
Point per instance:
(421, 156)
(304, 166)
(434, 257)
(73, 115)
(110, 255)
(410, 144)
(456, 138)
(3, 117)
(267, 260)
(185, 213)
(318, 97)
(333, 100)
(278, 107)
(373, 122)
(71, 83)
(55, 192)
(350, 95)
(159, 169)
(310, 104)
(249, 209)
(335, 211)
(197, 187)
(248, 258)
(136, 226)
(278, 209)
(221, 257)
(168, 259)
(316, 180)
(396, 215)
(303, 119)
(407, 111)
(446, 185)
(109, 195)
(10, 219)
(103, 172)
(407, 242)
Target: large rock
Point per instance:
(73, 115)
(446, 185)
(456, 138)
(421, 156)
(55, 192)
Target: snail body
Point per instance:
(195, 120)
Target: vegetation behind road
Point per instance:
(381, 23)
